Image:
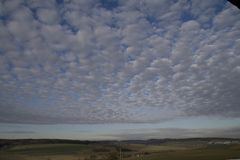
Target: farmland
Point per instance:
(185, 149)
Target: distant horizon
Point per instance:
(180, 128)
(85, 140)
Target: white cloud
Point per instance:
(139, 61)
(48, 16)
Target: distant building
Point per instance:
(227, 142)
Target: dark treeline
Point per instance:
(12, 142)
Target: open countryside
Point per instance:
(155, 149)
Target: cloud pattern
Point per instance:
(100, 61)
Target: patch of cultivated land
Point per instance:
(167, 150)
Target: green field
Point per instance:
(190, 150)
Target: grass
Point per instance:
(165, 151)
(198, 154)
(46, 152)
(203, 152)
(48, 149)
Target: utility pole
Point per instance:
(120, 151)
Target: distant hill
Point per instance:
(10, 142)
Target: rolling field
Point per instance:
(130, 151)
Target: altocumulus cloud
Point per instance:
(96, 61)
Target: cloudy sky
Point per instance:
(119, 69)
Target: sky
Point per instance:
(119, 69)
